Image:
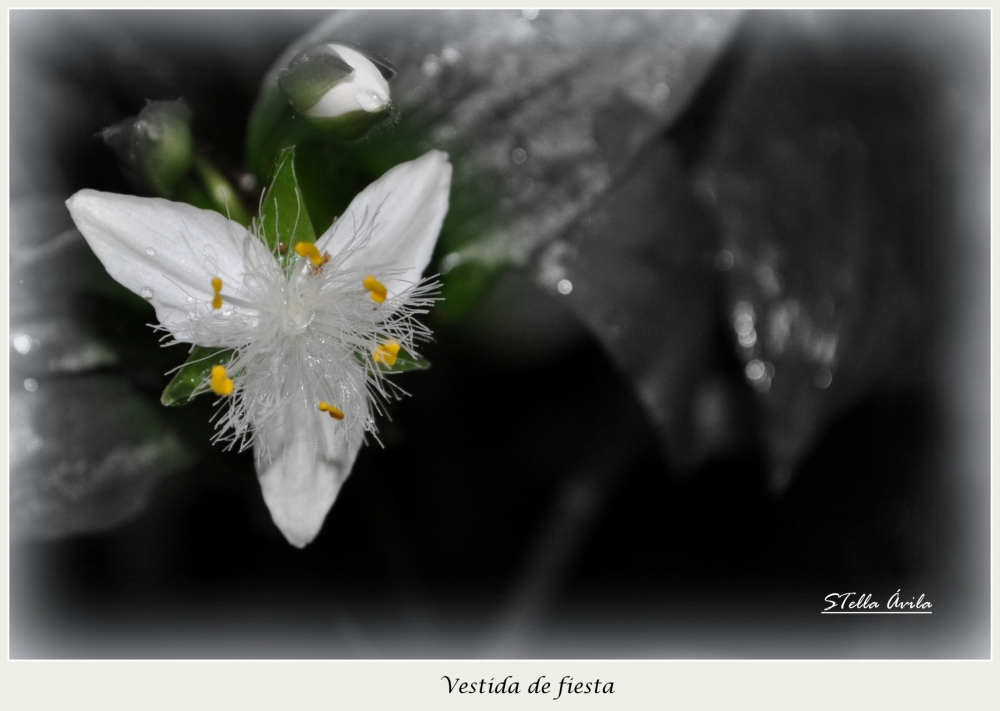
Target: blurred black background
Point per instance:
(597, 471)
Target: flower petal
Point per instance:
(411, 201)
(311, 456)
(167, 252)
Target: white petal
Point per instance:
(308, 464)
(411, 200)
(167, 252)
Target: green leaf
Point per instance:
(404, 361)
(189, 382)
(284, 218)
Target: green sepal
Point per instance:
(190, 380)
(355, 124)
(284, 218)
(404, 361)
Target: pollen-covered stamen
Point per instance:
(386, 352)
(308, 250)
(334, 411)
(220, 383)
(217, 287)
(377, 288)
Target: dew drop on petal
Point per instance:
(369, 100)
(150, 251)
(146, 293)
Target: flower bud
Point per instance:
(338, 88)
(156, 144)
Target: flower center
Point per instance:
(296, 318)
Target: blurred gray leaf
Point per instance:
(638, 271)
(50, 266)
(86, 451)
(822, 172)
(85, 455)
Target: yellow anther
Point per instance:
(376, 287)
(335, 412)
(220, 383)
(308, 249)
(386, 353)
(217, 287)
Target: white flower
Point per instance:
(308, 339)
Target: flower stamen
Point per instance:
(220, 383)
(334, 411)
(308, 249)
(386, 353)
(217, 287)
(377, 288)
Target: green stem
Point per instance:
(223, 196)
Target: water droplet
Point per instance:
(369, 100)
(431, 66)
(529, 14)
(756, 370)
(551, 265)
(565, 286)
(724, 260)
(31, 385)
(150, 251)
(23, 343)
(519, 156)
(747, 340)
(445, 133)
(661, 93)
(823, 378)
(450, 261)
(190, 299)
(248, 182)
(146, 293)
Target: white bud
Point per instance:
(364, 90)
(338, 88)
